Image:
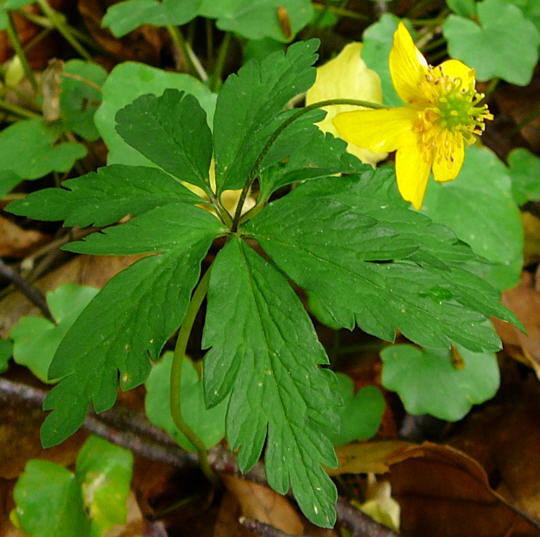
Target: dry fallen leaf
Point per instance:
(18, 242)
(524, 301)
(95, 271)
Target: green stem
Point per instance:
(342, 12)
(83, 80)
(19, 110)
(254, 170)
(432, 45)
(184, 50)
(176, 374)
(60, 24)
(220, 61)
(17, 47)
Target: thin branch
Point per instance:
(266, 530)
(32, 293)
(360, 524)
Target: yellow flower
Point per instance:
(346, 76)
(442, 112)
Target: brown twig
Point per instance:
(360, 524)
(32, 293)
(266, 530)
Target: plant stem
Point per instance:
(83, 80)
(220, 61)
(183, 49)
(17, 47)
(176, 374)
(254, 170)
(342, 12)
(19, 110)
(60, 24)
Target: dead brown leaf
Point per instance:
(143, 44)
(95, 271)
(18, 242)
(262, 503)
(524, 301)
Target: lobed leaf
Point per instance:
(265, 354)
(249, 105)
(370, 261)
(103, 197)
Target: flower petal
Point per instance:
(448, 157)
(413, 164)
(376, 130)
(407, 66)
(346, 76)
(457, 69)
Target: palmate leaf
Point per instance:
(265, 354)
(372, 262)
(172, 132)
(249, 106)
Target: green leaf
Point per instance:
(30, 149)
(258, 49)
(249, 105)
(132, 317)
(525, 174)
(465, 8)
(104, 197)
(531, 10)
(8, 181)
(125, 17)
(130, 80)
(256, 19)
(429, 383)
(48, 502)
(78, 100)
(104, 473)
(361, 414)
(372, 262)
(378, 39)
(478, 206)
(502, 28)
(36, 338)
(208, 424)
(265, 354)
(172, 132)
(6, 352)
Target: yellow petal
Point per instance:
(347, 77)
(457, 69)
(413, 164)
(376, 130)
(407, 66)
(448, 157)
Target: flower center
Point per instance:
(460, 110)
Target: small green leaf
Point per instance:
(373, 262)
(256, 19)
(130, 80)
(31, 150)
(465, 8)
(429, 383)
(361, 414)
(502, 28)
(249, 105)
(478, 206)
(49, 502)
(131, 318)
(172, 132)
(125, 17)
(36, 338)
(8, 181)
(6, 352)
(525, 174)
(104, 473)
(258, 49)
(79, 100)
(265, 354)
(378, 39)
(104, 197)
(208, 424)
(531, 10)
